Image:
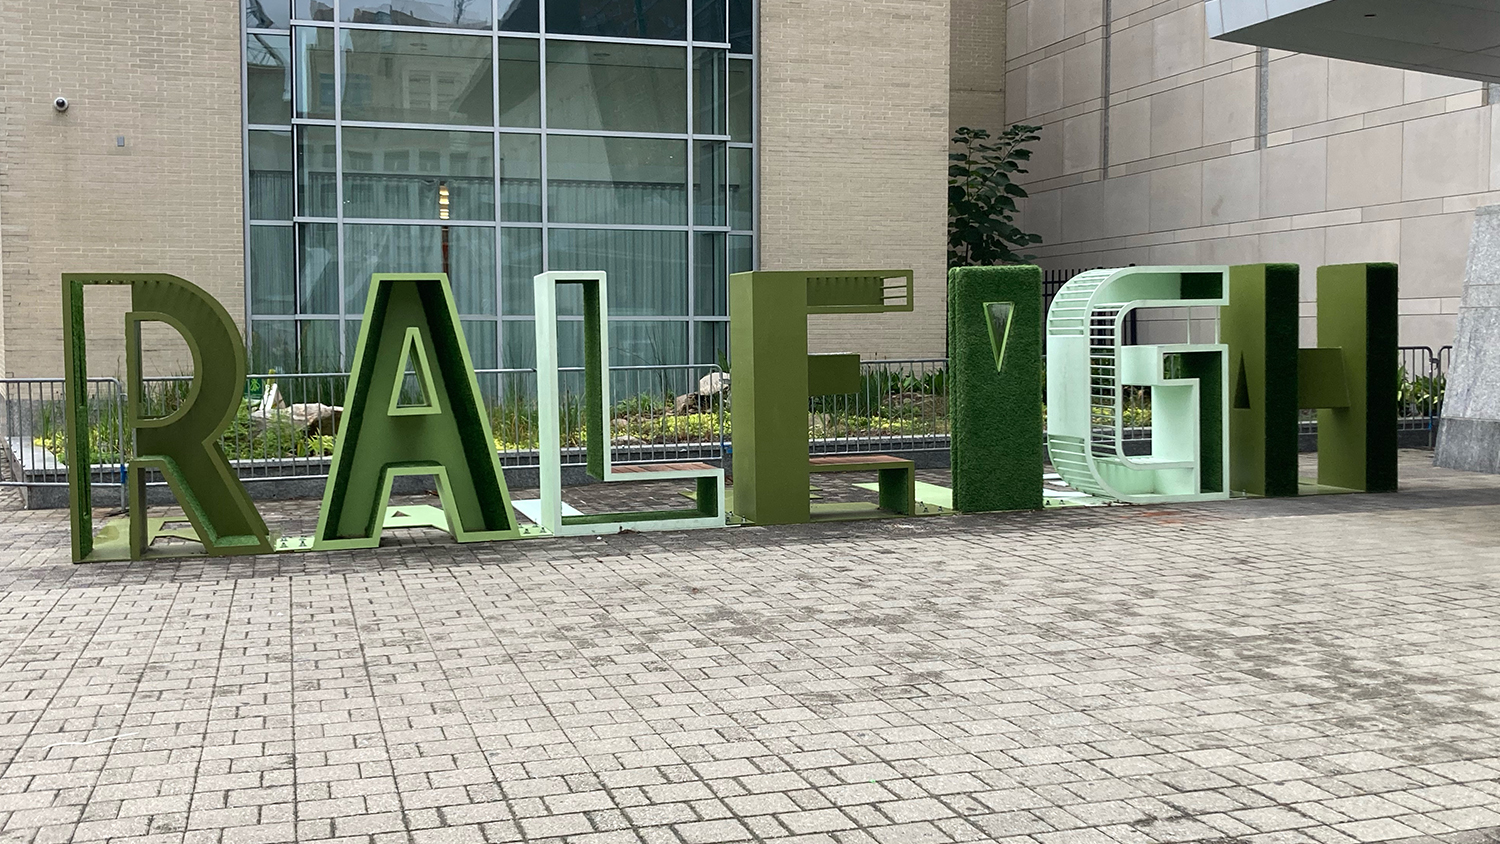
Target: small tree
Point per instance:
(982, 197)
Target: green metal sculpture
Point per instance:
(1089, 368)
(183, 447)
(709, 480)
(995, 387)
(1350, 378)
(774, 377)
(443, 431)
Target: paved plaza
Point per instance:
(1318, 670)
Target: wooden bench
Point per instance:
(707, 477)
(897, 477)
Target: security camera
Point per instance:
(61, 104)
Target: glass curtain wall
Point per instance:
(493, 140)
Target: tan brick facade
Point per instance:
(977, 45)
(853, 155)
(165, 77)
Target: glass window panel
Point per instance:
(741, 189)
(741, 101)
(314, 72)
(710, 274)
(629, 181)
(318, 350)
(710, 189)
(518, 16)
(267, 14)
(469, 262)
(270, 160)
(453, 14)
(616, 87)
(711, 343)
(519, 348)
(710, 21)
(268, 78)
(659, 19)
(417, 174)
(741, 254)
(647, 269)
(742, 26)
(709, 70)
(312, 10)
(521, 178)
(520, 82)
(351, 340)
(418, 77)
(520, 262)
(319, 269)
(273, 270)
(317, 175)
(635, 343)
(273, 346)
(480, 335)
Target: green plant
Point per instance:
(982, 197)
(1420, 395)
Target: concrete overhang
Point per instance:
(1448, 37)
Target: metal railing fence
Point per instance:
(901, 405)
(33, 428)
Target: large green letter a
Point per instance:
(411, 319)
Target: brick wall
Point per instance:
(165, 76)
(977, 85)
(853, 155)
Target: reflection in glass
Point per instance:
(408, 173)
(417, 77)
(318, 350)
(312, 10)
(273, 346)
(317, 179)
(742, 26)
(454, 14)
(480, 335)
(267, 14)
(314, 72)
(351, 340)
(273, 270)
(518, 16)
(741, 101)
(636, 343)
(465, 253)
(520, 262)
(270, 162)
(710, 21)
(709, 71)
(741, 254)
(710, 274)
(318, 292)
(741, 189)
(664, 20)
(520, 82)
(521, 178)
(709, 183)
(711, 343)
(519, 352)
(616, 87)
(268, 78)
(630, 181)
(648, 273)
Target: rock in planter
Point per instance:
(713, 384)
(313, 418)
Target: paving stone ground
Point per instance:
(1320, 670)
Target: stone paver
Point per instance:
(1323, 670)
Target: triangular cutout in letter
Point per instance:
(414, 394)
(1242, 387)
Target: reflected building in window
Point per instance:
(494, 140)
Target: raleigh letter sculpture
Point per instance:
(414, 407)
(710, 480)
(1350, 378)
(1088, 369)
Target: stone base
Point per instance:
(1470, 445)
